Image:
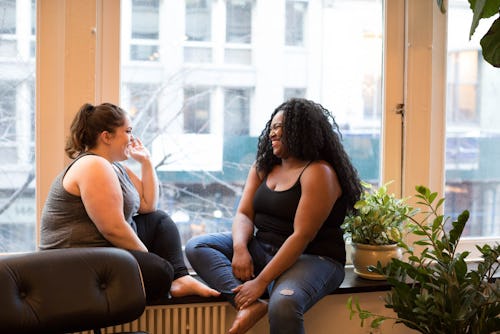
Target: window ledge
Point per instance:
(351, 284)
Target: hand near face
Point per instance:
(137, 151)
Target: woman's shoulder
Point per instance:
(319, 166)
(90, 158)
(318, 171)
(91, 163)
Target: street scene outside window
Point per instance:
(199, 79)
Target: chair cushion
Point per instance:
(69, 290)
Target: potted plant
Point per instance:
(374, 228)
(435, 290)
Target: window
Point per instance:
(143, 109)
(198, 20)
(8, 28)
(294, 92)
(463, 87)
(239, 21)
(473, 135)
(8, 115)
(145, 30)
(8, 17)
(236, 112)
(17, 127)
(238, 32)
(221, 83)
(295, 22)
(198, 34)
(145, 19)
(196, 110)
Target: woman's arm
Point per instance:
(147, 184)
(320, 190)
(243, 228)
(93, 179)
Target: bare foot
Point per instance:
(187, 285)
(248, 317)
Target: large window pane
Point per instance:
(17, 127)
(473, 134)
(215, 90)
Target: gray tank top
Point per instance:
(65, 222)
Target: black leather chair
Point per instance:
(69, 290)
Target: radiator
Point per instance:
(207, 318)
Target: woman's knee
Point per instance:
(193, 246)
(284, 308)
(157, 274)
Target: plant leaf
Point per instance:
(490, 43)
(441, 6)
(489, 8)
(477, 7)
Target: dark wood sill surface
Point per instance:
(351, 284)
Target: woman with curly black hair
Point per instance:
(286, 237)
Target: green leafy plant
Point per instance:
(378, 217)
(490, 42)
(435, 291)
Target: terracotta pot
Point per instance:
(368, 255)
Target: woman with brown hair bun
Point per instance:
(97, 201)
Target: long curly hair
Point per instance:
(310, 133)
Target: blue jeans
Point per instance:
(293, 293)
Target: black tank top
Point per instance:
(275, 213)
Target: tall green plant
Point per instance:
(433, 291)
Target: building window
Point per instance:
(8, 122)
(294, 92)
(239, 21)
(198, 20)
(295, 22)
(145, 30)
(145, 19)
(144, 52)
(196, 110)
(372, 88)
(236, 111)
(8, 17)
(198, 32)
(463, 87)
(143, 110)
(8, 44)
(238, 32)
